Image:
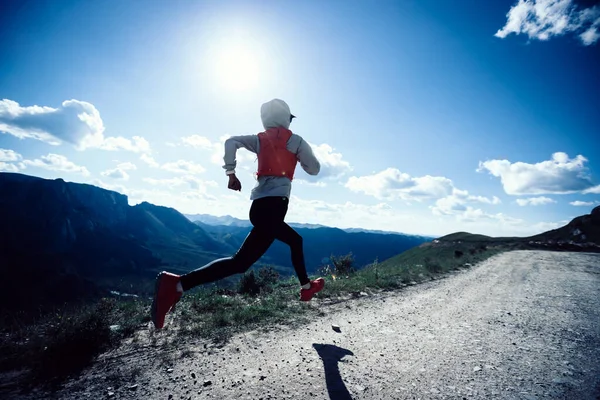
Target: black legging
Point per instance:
(267, 217)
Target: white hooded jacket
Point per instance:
(275, 113)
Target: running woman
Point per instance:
(278, 151)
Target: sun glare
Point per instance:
(237, 67)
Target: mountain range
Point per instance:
(228, 220)
(62, 242)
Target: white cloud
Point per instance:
(179, 166)
(8, 167)
(308, 183)
(579, 203)
(191, 181)
(592, 190)
(149, 160)
(138, 145)
(542, 19)
(120, 173)
(57, 162)
(457, 204)
(8, 155)
(333, 165)
(75, 122)
(560, 175)
(392, 184)
(197, 141)
(127, 166)
(242, 155)
(183, 167)
(535, 201)
(116, 173)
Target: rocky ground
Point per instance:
(522, 325)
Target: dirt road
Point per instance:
(522, 325)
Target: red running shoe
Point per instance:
(315, 287)
(165, 297)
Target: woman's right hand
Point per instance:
(234, 183)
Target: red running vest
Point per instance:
(274, 159)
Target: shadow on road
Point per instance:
(331, 356)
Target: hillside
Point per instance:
(65, 241)
(464, 248)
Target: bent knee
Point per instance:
(240, 266)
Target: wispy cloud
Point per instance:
(75, 122)
(197, 141)
(178, 167)
(542, 19)
(560, 175)
(183, 167)
(458, 202)
(592, 190)
(578, 203)
(187, 180)
(57, 162)
(137, 145)
(535, 201)
(148, 159)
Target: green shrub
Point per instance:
(262, 281)
(339, 266)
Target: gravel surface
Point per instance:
(521, 325)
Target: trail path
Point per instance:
(521, 325)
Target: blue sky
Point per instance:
(429, 117)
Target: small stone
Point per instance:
(207, 383)
(111, 394)
(193, 375)
(133, 387)
(477, 368)
(170, 370)
(262, 377)
(359, 388)
(335, 327)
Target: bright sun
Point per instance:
(237, 67)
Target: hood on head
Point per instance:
(275, 113)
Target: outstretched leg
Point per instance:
(255, 245)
